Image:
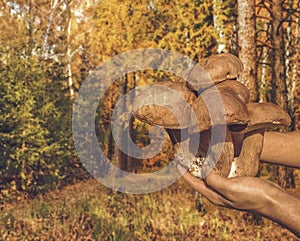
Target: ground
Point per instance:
(90, 211)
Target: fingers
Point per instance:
(195, 182)
(227, 188)
(219, 183)
(212, 186)
(201, 187)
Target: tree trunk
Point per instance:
(45, 36)
(297, 97)
(279, 87)
(69, 58)
(246, 34)
(296, 73)
(288, 57)
(247, 45)
(131, 161)
(122, 127)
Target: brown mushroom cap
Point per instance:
(238, 89)
(166, 104)
(211, 70)
(222, 66)
(265, 115)
(234, 113)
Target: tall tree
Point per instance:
(279, 85)
(188, 27)
(26, 142)
(35, 123)
(295, 70)
(225, 21)
(247, 45)
(279, 88)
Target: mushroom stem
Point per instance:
(222, 154)
(184, 155)
(247, 163)
(212, 151)
(181, 143)
(177, 135)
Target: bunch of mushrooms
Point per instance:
(181, 108)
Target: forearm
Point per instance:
(283, 209)
(282, 148)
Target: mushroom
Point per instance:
(261, 116)
(167, 104)
(222, 66)
(212, 70)
(219, 156)
(234, 112)
(202, 132)
(240, 90)
(161, 105)
(210, 119)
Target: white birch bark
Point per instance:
(69, 58)
(45, 45)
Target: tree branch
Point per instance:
(265, 43)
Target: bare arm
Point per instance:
(282, 148)
(250, 194)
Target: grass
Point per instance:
(89, 211)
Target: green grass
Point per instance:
(89, 211)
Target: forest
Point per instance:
(48, 50)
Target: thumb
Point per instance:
(217, 182)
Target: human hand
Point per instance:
(242, 193)
(249, 194)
